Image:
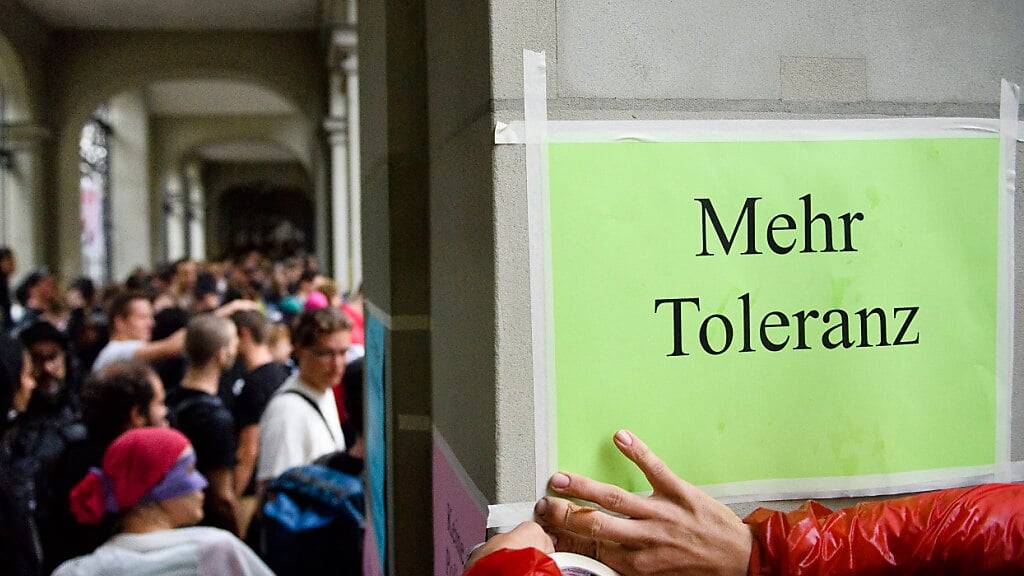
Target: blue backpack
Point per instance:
(311, 522)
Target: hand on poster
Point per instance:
(678, 529)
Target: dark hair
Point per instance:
(86, 287)
(120, 305)
(165, 272)
(255, 322)
(205, 337)
(34, 277)
(205, 284)
(177, 264)
(109, 395)
(42, 331)
(139, 280)
(6, 252)
(312, 325)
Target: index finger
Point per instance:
(607, 496)
(657, 472)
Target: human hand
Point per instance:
(526, 535)
(677, 530)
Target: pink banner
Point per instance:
(460, 520)
(371, 559)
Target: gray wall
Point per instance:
(713, 59)
(462, 258)
(395, 150)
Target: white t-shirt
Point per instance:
(197, 551)
(116, 351)
(291, 431)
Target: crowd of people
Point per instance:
(178, 396)
(229, 395)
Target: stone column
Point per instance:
(351, 69)
(395, 155)
(342, 126)
(336, 126)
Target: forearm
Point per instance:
(173, 345)
(248, 448)
(976, 530)
(222, 504)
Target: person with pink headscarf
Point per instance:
(149, 481)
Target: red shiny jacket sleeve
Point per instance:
(977, 531)
(523, 562)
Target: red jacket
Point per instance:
(963, 531)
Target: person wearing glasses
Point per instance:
(301, 422)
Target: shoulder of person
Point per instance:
(208, 534)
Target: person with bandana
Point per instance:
(149, 482)
(121, 397)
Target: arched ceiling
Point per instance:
(178, 14)
(214, 98)
(245, 151)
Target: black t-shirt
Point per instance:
(259, 386)
(208, 425)
(230, 385)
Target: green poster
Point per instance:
(775, 310)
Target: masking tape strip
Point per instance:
(506, 515)
(535, 102)
(756, 130)
(1009, 101)
(460, 472)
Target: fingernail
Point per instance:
(559, 481)
(541, 507)
(624, 438)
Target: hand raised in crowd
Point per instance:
(677, 530)
(526, 535)
(235, 306)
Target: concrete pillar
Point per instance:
(173, 208)
(351, 69)
(395, 207)
(196, 222)
(129, 174)
(342, 234)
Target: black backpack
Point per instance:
(311, 522)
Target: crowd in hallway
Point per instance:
(224, 393)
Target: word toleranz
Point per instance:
(836, 328)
